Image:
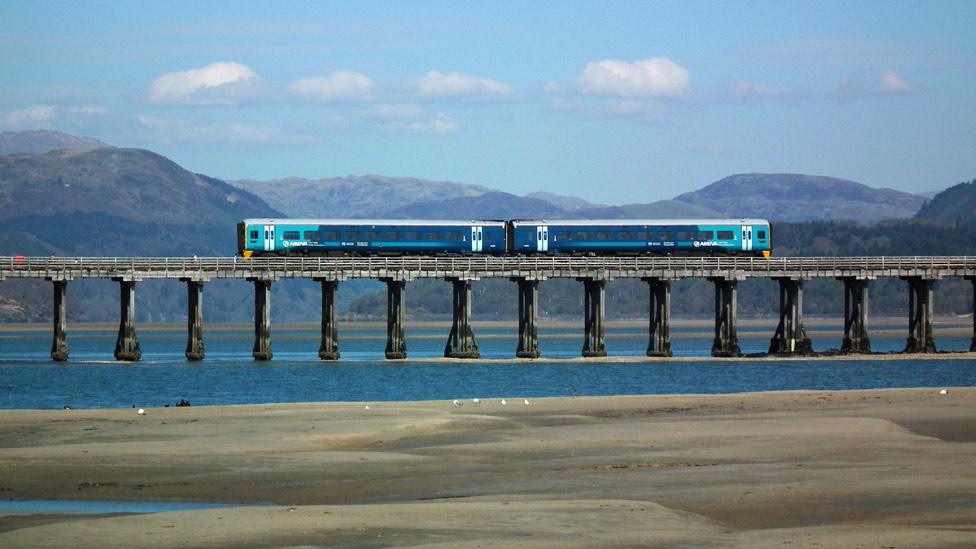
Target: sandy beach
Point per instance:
(881, 468)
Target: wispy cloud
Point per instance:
(742, 89)
(40, 115)
(335, 86)
(221, 83)
(655, 77)
(892, 82)
(887, 83)
(34, 114)
(636, 110)
(439, 124)
(436, 84)
(175, 130)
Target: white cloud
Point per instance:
(439, 124)
(170, 130)
(222, 83)
(88, 109)
(335, 86)
(37, 113)
(654, 77)
(455, 84)
(744, 90)
(892, 82)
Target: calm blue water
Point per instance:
(79, 507)
(92, 378)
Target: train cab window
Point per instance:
(311, 235)
(761, 235)
(330, 235)
(292, 235)
(725, 235)
(254, 235)
(582, 236)
(350, 235)
(564, 235)
(624, 236)
(704, 235)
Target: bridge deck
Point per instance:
(341, 268)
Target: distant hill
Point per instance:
(568, 203)
(796, 197)
(42, 141)
(352, 196)
(490, 205)
(953, 206)
(662, 209)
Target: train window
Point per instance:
(350, 235)
(330, 235)
(292, 235)
(372, 235)
(455, 236)
(390, 236)
(532, 236)
(431, 237)
(704, 235)
(761, 235)
(311, 235)
(582, 236)
(683, 235)
(604, 235)
(665, 236)
(643, 235)
(725, 235)
(624, 236)
(411, 236)
(254, 235)
(564, 235)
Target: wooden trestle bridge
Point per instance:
(659, 272)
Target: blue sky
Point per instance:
(615, 102)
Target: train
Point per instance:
(287, 237)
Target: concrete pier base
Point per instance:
(396, 341)
(127, 342)
(461, 343)
(659, 323)
(59, 345)
(920, 337)
(262, 320)
(726, 342)
(329, 347)
(856, 338)
(790, 337)
(528, 300)
(194, 320)
(594, 311)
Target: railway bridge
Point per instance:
(920, 273)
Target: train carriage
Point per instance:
(369, 237)
(641, 236)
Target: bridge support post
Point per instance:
(856, 338)
(329, 347)
(461, 343)
(262, 319)
(127, 342)
(194, 319)
(972, 344)
(594, 310)
(726, 342)
(920, 337)
(659, 325)
(528, 300)
(396, 343)
(790, 337)
(59, 345)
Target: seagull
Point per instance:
(944, 392)
(141, 412)
(366, 408)
(526, 402)
(504, 402)
(457, 403)
(476, 401)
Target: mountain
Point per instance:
(953, 206)
(796, 197)
(490, 205)
(662, 209)
(42, 141)
(352, 196)
(568, 203)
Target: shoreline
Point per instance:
(835, 468)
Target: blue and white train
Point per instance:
(512, 237)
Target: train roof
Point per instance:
(614, 222)
(402, 222)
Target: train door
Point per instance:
(269, 238)
(542, 238)
(746, 237)
(477, 238)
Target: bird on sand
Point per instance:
(526, 402)
(504, 402)
(476, 401)
(456, 403)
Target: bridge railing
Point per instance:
(166, 267)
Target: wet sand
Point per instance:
(852, 468)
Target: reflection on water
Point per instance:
(92, 378)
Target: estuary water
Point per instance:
(93, 379)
